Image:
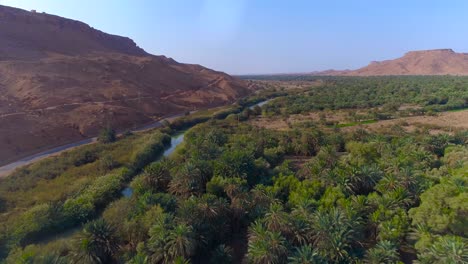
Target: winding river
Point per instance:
(260, 104)
(175, 141)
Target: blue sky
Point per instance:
(273, 36)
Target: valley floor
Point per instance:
(438, 123)
(317, 174)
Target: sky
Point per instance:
(273, 36)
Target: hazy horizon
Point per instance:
(271, 37)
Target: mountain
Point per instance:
(62, 80)
(424, 62)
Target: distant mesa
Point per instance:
(422, 62)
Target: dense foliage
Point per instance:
(434, 93)
(107, 135)
(236, 193)
(98, 177)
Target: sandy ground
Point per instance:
(278, 123)
(443, 122)
(455, 120)
(288, 85)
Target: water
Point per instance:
(7, 169)
(260, 104)
(127, 192)
(175, 141)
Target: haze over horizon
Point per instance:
(260, 36)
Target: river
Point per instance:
(260, 104)
(175, 141)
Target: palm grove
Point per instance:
(235, 192)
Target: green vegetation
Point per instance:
(357, 123)
(234, 192)
(63, 192)
(437, 93)
(107, 135)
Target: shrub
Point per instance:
(84, 157)
(107, 135)
(154, 147)
(107, 163)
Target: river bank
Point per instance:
(7, 169)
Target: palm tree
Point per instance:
(180, 242)
(436, 144)
(270, 251)
(364, 179)
(53, 258)
(239, 208)
(139, 259)
(321, 164)
(301, 225)
(210, 207)
(188, 180)
(257, 231)
(265, 247)
(276, 219)
(159, 234)
(384, 252)
(399, 198)
(180, 185)
(157, 176)
(306, 255)
(333, 234)
(181, 260)
(424, 158)
(260, 200)
(387, 183)
(208, 216)
(96, 244)
(300, 231)
(222, 254)
(277, 244)
(446, 249)
(234, 187)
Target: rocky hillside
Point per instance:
(62, 80)
(424, 62)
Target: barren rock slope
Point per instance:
(61, 80)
